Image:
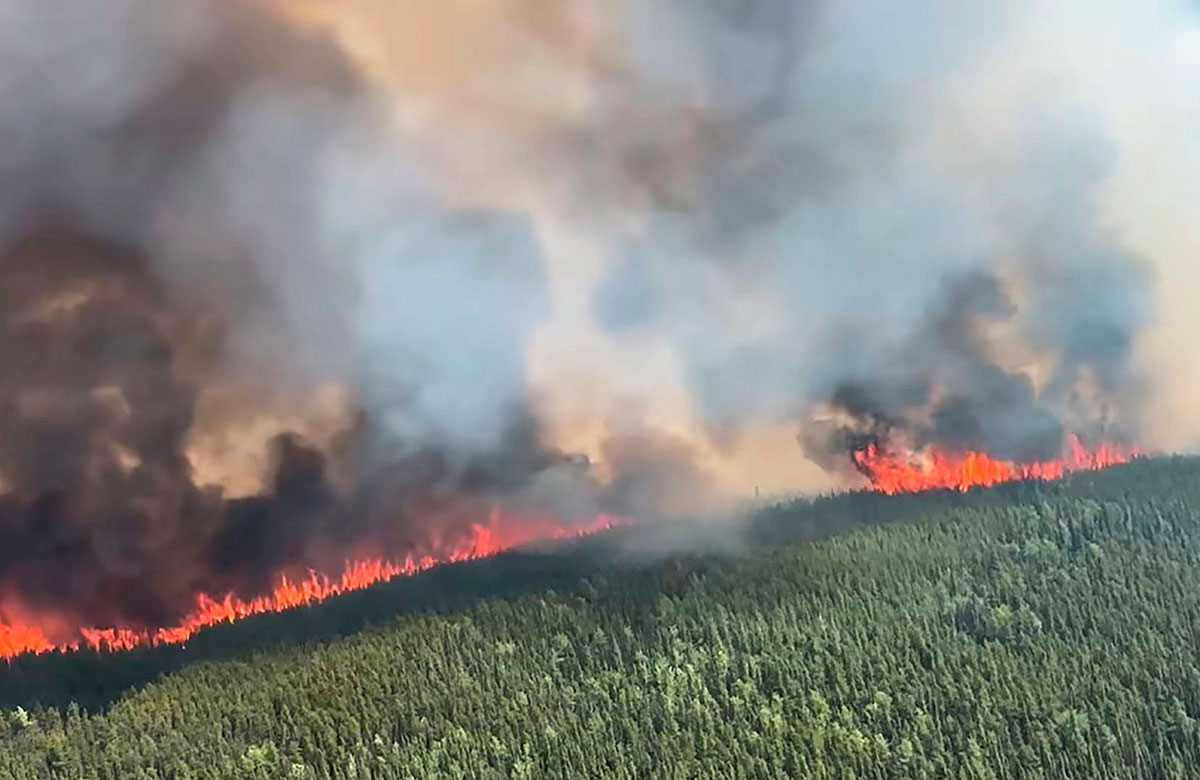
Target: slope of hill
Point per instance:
(1031, 630)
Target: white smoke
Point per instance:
(641, 220)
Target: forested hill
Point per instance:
(1040, 630)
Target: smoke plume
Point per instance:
(282, 283)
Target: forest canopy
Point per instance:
(1037, 629)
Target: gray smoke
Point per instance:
(194, 197)
(282, 282)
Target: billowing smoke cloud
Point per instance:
(240, 335)
(283, 283)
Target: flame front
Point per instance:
(939, 469)
(888, 472)
(500, 533)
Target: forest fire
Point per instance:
(501, 532)
(941, 470)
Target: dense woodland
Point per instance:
(1035, 630)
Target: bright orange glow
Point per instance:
(500, 533)
(942, 470)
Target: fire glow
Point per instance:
(938, 469)
(500, 533)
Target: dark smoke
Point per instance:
(665, 234)
(127, 287)
(102, 519)
(945, 385)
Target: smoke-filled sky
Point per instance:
(747, 212)
(281, 277)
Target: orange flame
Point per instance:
(942, 470)
(497, 535)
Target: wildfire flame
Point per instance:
(935, 469)
(938, 469)
(498, 534)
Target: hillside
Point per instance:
(1029, 630)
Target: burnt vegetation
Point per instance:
(1035, 629)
